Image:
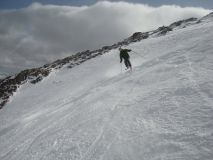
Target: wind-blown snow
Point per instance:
(161, 110)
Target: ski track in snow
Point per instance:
(161, 110)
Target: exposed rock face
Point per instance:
(10, 84)
(183, 23)
(137, 36)
(163, 30)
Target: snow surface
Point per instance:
(161, 110)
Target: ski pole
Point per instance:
(137, 54)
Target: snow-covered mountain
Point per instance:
(87, 106)
(10, 84)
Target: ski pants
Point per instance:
(127, 63)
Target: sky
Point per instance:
(11, 4)
(35, 33)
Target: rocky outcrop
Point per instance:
(183, 23)
(10, 84)
(137, 36)
(163, 30)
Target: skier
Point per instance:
(124, 55)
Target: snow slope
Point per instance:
(161, 110)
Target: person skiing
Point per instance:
(124, 55)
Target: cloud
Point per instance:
(39, 34)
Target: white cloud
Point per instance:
(42, 33)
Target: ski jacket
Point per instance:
(124, 54)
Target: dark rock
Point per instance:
(179, 23)
(36, 80)
(10, 85)
(3, 103)
(163, 30)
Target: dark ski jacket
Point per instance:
(124, 54)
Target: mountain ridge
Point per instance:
(10, 84)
